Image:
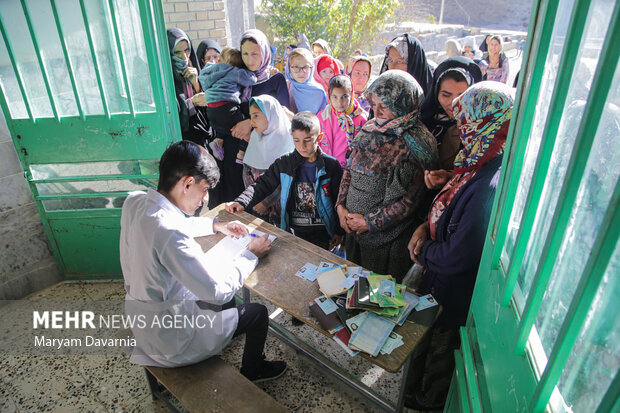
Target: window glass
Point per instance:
(595, 358)
(593, 197)
(51, 52)
(538, 124)
(134, 52)
(26, 58)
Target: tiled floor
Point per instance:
(109, 383)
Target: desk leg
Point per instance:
(246, 296)
(403, 385)
(289, 338)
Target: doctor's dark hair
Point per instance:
(186, 158)
(306, 121)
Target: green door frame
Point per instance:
(498, 367)
(76, 163)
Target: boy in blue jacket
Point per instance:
(226, 85)
(309, 182)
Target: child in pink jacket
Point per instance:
(341, 120)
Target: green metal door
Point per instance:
(543, 333)
(88, 99)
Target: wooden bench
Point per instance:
(210, 386)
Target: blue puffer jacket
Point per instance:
(222, 82)
(282, 172)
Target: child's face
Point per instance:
(317, 50)
(258, 119)
(300, 68)
(306, 144)
(340, 99)
(382, 112)
(326, 74)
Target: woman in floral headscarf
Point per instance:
(449, 245)
(382, 193)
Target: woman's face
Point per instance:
(250, 53)
(340, 98)
(300, 68)
(326, 74)
(317, 50)
(382, 112)
(182, 50)
(360, 75)
(395, 60)
(258, 120)
(494, 47)
(211, 56)
(450, 89)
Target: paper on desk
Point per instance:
(393, 341)
(329, 282)
(229, 247)
(371, 334)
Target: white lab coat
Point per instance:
(165, 272)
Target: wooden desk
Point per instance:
(274, 279)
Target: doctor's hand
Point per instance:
(233, 207)
(260, 246)
(234, 228)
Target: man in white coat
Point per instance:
(182, 302)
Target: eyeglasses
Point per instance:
(399, 62)
(297, 69)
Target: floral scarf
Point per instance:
(483, 115)
(402, 94)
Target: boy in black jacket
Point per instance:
(309, 182)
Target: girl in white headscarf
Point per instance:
(270, 139)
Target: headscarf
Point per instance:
(324, 45)
(483, 46)
(433, 115)
(483, 115)
(206, 45)
(304, 42)
(309, 95)
(345, 119)
(264, 148)
(402, 94)
(471, 42)
(323, 62)
(413, 53)
(351, 65)
(258, 37)
(453, 48)
(181, 85)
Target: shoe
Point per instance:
(270, 370)
(413, 402)
(218, 153)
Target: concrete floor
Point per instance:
(110, 383)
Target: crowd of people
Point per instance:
(393, 170)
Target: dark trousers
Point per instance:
(254, 323)
(222, 119)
